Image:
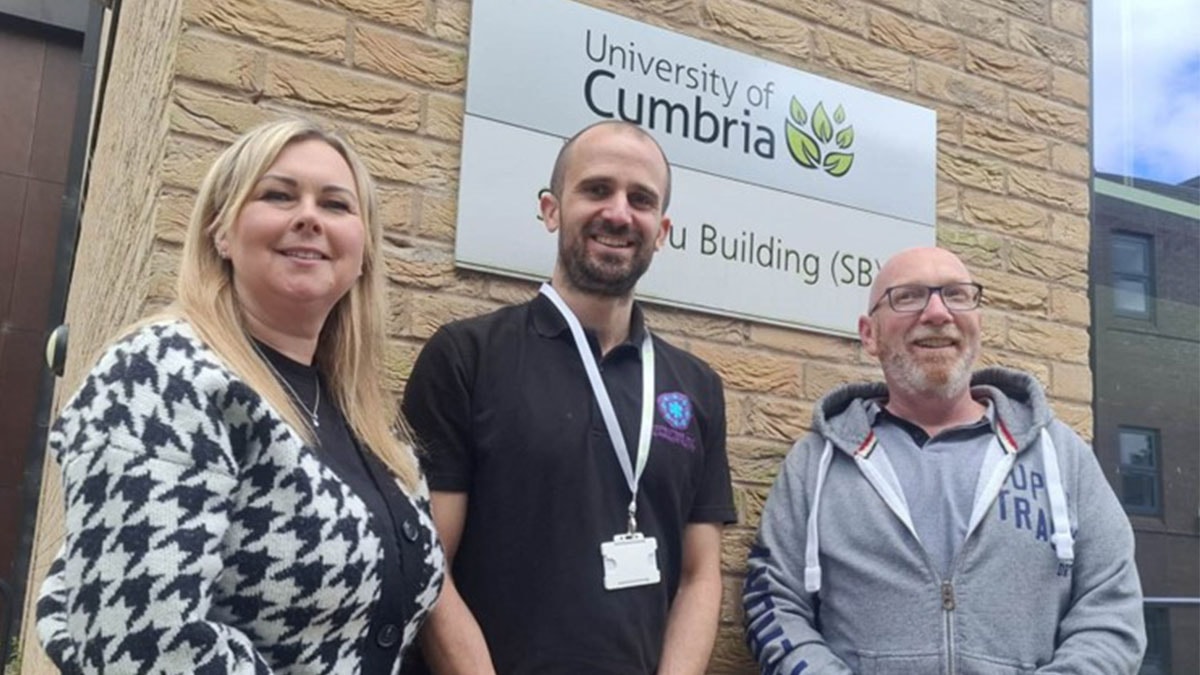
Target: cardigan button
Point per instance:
(410, 530)
(388, 636)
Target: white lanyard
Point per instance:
(632, 476)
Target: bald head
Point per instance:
(565, 154)
(927, 265)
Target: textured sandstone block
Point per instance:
(452, 21)
(1071, 159)
(1014, 69)
(1071, 230)
(1006, 291)
(1038, 368)
(1049, 340)
(803, 343)
(1005, 214)
(430, 311)
(977, 248)
(995, 328)
(274, 23)
(947, 200)
(693, 325)
(1004, 140)
(406, 159)
(730, 654)
(1060, 48)
(1071, 381)
(750, 371)
(444, 117)
(403, 13)
(736, 543)
(340, 92)
(764, 27)
(1071, 87)
(971, 169)
(204, 56)
(1075, 415)
(822, 378)
(398, 360)
(186, 160)
(863, 58)
(966, 91)
(1070, 305)
(438, 214)
(1070, 16)
(845, 15)
(1049, 117)
(967, 17)
(424, 268)
(212, 114)
(1039, 186)
(396, 207)
(174, 210)
(777, 419)
(1034, 10)
(756, 461)
(409, 59)
(918, 38)
(1049, 262)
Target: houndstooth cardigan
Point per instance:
(202, 534)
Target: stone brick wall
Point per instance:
(1008, 78)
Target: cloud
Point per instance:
(1146, 82)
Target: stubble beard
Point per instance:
(608, 276)
(942, 381)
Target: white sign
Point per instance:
(789, 189)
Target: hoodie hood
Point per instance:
(1022, 418)
(842, 415)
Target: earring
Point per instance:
(224, 253)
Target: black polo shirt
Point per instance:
(502, 408)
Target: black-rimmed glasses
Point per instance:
(913, 298)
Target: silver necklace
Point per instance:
(312, 414)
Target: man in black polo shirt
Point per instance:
(582, 517)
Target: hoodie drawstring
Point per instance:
(1064, 543)
(812, 561)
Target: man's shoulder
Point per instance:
(483, 329)
(683, 360)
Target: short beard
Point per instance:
(597, 278)
(907, 373)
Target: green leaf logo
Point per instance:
(809, 139)
(798, 115)
(838, 163)
(803, 148)
(845, 137)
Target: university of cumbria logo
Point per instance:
(676, 409)
(808, 139)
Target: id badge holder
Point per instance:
(630, 560)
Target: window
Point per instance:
(1139, 469)
(1158, 642)
(1133, 284)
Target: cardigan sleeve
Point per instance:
(148, 477)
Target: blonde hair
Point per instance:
(350, 347)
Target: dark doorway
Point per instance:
(39, 80)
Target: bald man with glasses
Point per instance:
(941, 521)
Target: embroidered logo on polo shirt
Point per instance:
(676, 409)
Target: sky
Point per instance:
(1146, 88)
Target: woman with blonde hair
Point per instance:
(239, 495)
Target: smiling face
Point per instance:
(296, 246)
(927, 353)
(609, 215)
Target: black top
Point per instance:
(502, 407)
(393, 516)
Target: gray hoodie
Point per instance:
(1045, 581)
